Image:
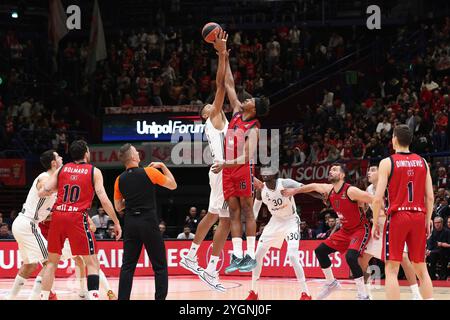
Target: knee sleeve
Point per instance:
(352, 260)
(322, 252)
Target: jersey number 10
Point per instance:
(71, 193)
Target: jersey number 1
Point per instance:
(410, 191)
(71, 193)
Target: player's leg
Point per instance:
(416, 242)
(210, 275)
(104, 283)
(48, 275)
(364, 263)
(189, 261)
(25, 271)
(93, 281)
(322, 253)
(293, 240)
(260, 254)
(408, 269)
(80, 274)
(357, 245)
(394, 235)
(234, 208)
(248, 263)
(37, 286)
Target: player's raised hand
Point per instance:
(376, 231)
(220, 44)
(156, 165)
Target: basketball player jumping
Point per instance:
(241, 142)
(284, 225)
(215, 130)
(407, 179)
(355, 231)
(75, 183)
(375, 246)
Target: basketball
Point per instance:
(210, 30)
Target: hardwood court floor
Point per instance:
(191, 288)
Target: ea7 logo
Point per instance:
(374, 20)
(74, 19)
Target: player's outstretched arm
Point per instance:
(106, 203)
(49, 186)
(322, 188)
(231, 90)
(359, 195)
(221, 46)
(384, 170)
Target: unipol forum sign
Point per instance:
(151, 127)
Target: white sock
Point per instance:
(193, 250)
(299, 273)
(93, 295)
(415, 290)
(17, 286)
(360, 285)
(237, 247)
(429, 299)
(328, 274)
(212, 265)
(45, 295)
(251, 247)
(37, 287)
(103, 280)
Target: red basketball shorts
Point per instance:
(238, 181)
(405, 227)
(356, 239)
(75, 227)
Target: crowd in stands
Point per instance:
(176, 67)
(414, 90)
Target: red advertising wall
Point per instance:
(12, 172)
(276, 263)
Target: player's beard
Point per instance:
(333, 180)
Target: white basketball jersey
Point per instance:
(38, 208)
(371, 189)
(216, 140)
(278, 205)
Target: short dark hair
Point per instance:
(124, 152)
(262, 106)
(342, 166)
(46, 159)
(403, 134)
(78, 149)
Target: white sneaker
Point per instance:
(212, 280)
(83, 295)
(416, 296)
(190, 264)
(328, 289)
(362, 297)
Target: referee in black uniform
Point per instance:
(134, 193)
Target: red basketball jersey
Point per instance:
(236, 134)
(406, 184)
(348, 211)
(75, 187)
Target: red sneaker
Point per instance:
(252, 296)
(52, 296)
(305, 296)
